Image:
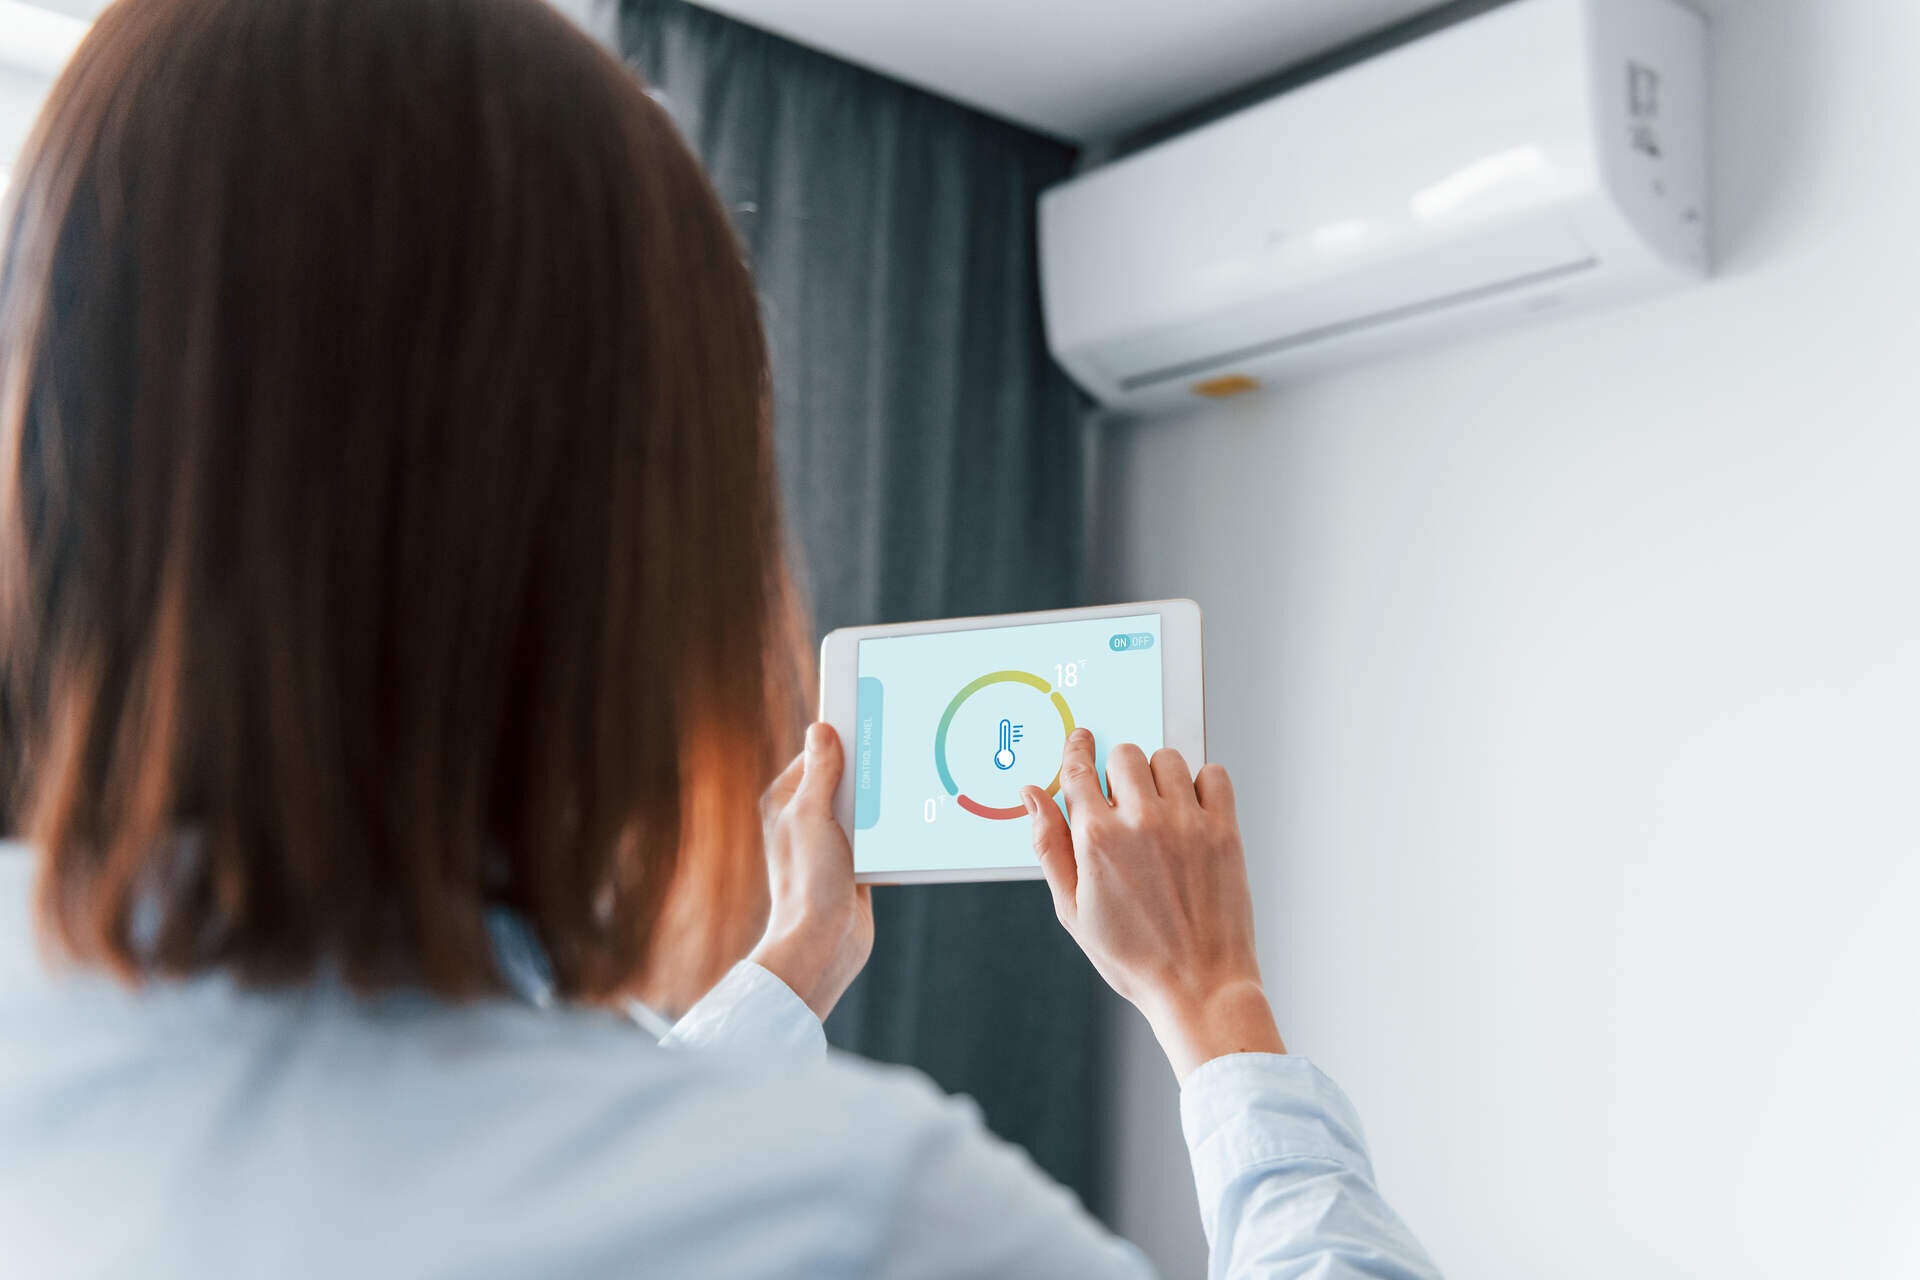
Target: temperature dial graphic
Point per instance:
(1010, 732)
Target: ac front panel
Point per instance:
(1385, 161)
(1526, 250)
(1545, 156)
(1246, 357)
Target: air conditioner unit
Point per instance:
(1544, 156)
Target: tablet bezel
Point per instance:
(1182, 702)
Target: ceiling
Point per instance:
(1078, 69)
(1083, 70)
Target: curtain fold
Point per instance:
(932, 458)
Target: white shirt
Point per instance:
(193, 1130)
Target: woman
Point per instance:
(396, 634)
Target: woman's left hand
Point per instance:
(820, 929)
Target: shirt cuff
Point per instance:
(749, 1011)
(1244, 1110)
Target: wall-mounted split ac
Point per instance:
(1544, 156)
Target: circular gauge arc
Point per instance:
(967, 802)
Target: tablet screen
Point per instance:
(950, 725)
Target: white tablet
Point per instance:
(943, 722)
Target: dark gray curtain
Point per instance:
(932, 457)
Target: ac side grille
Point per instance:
(1373, 320)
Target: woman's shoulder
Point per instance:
(493, 1130)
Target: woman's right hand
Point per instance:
(1153, 886)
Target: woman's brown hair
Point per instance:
(387, 510)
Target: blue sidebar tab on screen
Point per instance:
(866, 755)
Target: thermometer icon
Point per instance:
(1009, 734)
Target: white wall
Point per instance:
(21, 94)
(1571, 684)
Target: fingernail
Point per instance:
(816, 736)
(1083, 735)
(1026, 798)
